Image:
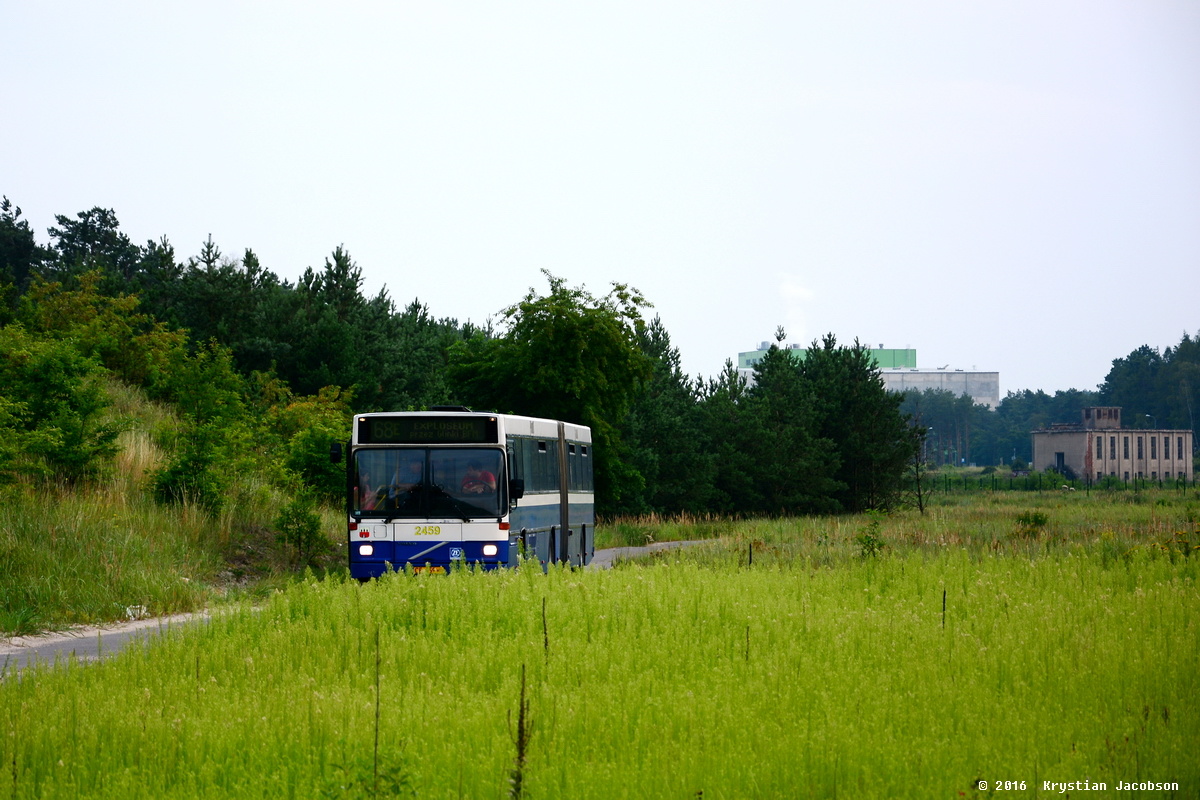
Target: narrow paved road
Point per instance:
(91, 643)
(88, 644)
(603, 559)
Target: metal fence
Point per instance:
(1040, 482)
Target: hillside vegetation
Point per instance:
(141, 536)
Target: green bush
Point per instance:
(309, 425)
(54, 414)
(111, 329)
(308, 457)
(1031, 523)
(204, 386)
(299, 526)
(194, 473)
(870, 543)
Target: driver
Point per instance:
(478, 480)
(404, 481)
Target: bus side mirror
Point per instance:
(335, 453)
(516, 489)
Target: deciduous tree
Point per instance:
(564, 355)
(55, 404)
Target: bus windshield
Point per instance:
(425, 482)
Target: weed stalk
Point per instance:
(375, 766)
(516, 779)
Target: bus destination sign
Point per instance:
(427, 430)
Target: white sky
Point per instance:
(1009, 185)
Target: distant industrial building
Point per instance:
(982, 387)
(1098, 446)
(898, 368)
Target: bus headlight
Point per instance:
(490, 550)
(366, 549)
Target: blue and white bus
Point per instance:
(434, 490)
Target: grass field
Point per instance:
(865, 657)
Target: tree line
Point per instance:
(266, 373)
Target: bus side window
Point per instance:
(539, 465)
(516, 467)
(573, 466)
(550, 465)
(530, 464)
(585, 468)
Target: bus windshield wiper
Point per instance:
(460, 508)
(428, 498)
(408, 503)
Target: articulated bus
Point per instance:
(432, 491)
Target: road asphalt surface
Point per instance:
(88, 644)
(96, 642)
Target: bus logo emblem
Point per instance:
(456, 553)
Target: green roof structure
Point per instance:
(885, 358)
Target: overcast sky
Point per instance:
(1006, 185)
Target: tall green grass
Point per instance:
(650, 528)
(693, 674)
(988, 520)
(77, 557)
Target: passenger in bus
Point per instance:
(366, 494)
(478, 480)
